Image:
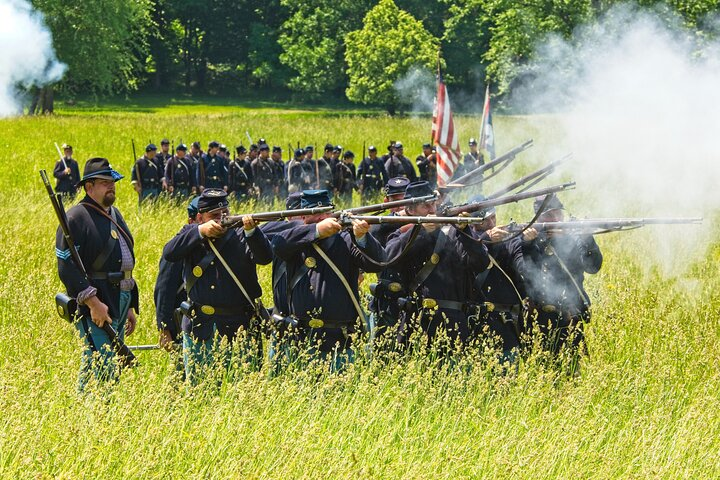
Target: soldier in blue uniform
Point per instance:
(179, 174)
(437, 273)
(556, 267)
(169, 294)
(162, 157)
(211, 170)
(67, 173)
(319, 170)
(384, 301)
(106, 249)
(371, 175)
(500, 288)
(281, 188)
(345, 179)
(221, 281)
(298, 177)
(240, 185)
(323, 303)
(146, 175)
(427, 165)
(398, 165)
(264, 174)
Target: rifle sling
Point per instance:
(234, 277)
(343, 280)
(109, 245)
(429, 266)
(112, 220)
(203, 264)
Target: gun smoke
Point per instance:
(27, 58)
(637, 102)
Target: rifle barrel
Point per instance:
(542, 172)
(379, 207)
(607, 223)
(506, 157)
(494, 202)
(233, 220)
(406, 220)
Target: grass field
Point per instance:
(645, 406)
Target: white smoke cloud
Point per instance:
(640, 108)
(416, 89)
(27, 57)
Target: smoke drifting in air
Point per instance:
(640, 113)
(27, 57)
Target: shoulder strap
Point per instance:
(582, 294)
(232, 274)
(202, 265)
(429, 265)
(112, 219)
(342, 278)
(109, 246)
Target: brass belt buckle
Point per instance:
(315, 323)
(429, 303)
(207, 309)
(549, 308)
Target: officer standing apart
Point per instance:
(323, 266)
(106, 249)
(556, 267)
(437, 272)
(146, 175)
(221, 282)
(67, 173)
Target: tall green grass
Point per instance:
(646, 404)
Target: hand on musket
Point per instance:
(98, 311)
(249, 222)
(360, 227)
(211, 229)
(328, 227)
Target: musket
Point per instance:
(534, 177)
(363, 157)
(173, 148)
(62, 157)
(453, 211)
(380, 207)
(118, 346)
(346, 220)
(230, 221)
(595, 226)
(508, 157)
(247, 132)
(135, 164)
(140, 348)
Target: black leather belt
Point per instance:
(112, 276)
(229, 311)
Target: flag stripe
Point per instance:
(444, 136)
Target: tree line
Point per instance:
(320, 49)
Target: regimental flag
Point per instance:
(445, 137)
(487, 134)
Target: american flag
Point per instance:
(444, 136)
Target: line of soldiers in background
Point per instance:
(261, 173)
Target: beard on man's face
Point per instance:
(109, 198)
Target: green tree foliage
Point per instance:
(389, 44)
(515, 29)
(313, 41)
(103, 43)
